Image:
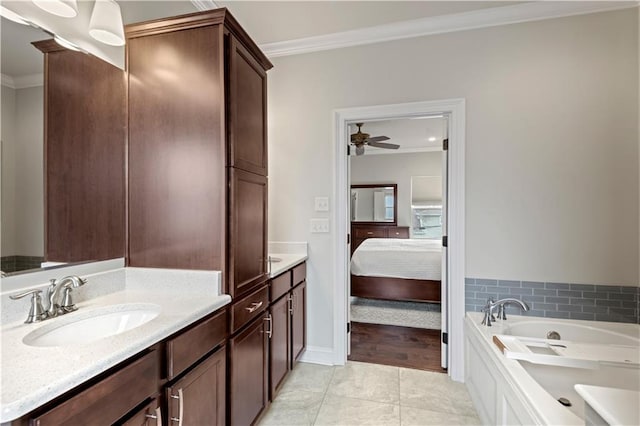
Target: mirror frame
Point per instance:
(395, 204)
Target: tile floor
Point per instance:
(369, 394)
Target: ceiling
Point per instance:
(286, 20)
(412, 134)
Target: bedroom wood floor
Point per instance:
(397, 346)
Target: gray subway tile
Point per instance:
(595, 294)
(507, 283)
(629, 304)
(556, 286)
(486, 296)
(582, 287)
(492, 289)
(553, 299)
(615, 318)
(570, 293)
(570, 308)
(596, 309)
(530, 299)
(545, 306)
(582, 316)
(629, 290)
(474, 287)
(556, 314)
(514, 290)
(611, 303)
(622, 296)
(532, 284)
(609, 288)
(582, 301)
(504, 295)
(534, 313)
(486, 282)
(623, 311)
(544, 292)
(468, 281)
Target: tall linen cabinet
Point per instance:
(197, 174)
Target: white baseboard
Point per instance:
(318, 355)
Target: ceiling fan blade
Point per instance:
(378, 139)
(384, 145)
(360, 150)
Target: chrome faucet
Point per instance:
(500, 304)
(38, 313)
(66, 284)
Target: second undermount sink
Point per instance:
(89, 326)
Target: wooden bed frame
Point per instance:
(401, 289)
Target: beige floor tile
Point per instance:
(293, 408)
(372, 382)
(343, 411)
(410, 416)
(434, 391)
(308, 377)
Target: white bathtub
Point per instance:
(507, 391)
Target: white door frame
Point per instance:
(456, 218)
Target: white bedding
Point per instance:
(390, 257)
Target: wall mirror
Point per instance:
(374, 204)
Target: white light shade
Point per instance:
(64, 8)
(106, 23)
(12, 16)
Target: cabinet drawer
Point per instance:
(249, 307)
(280, 285)
(372, 232)
(111, 398)
(191, 345)
(149, 415)
(398, 232)
(299, 274)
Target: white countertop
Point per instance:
(287, 261)
(32, 376)
(615, 406)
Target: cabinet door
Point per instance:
(199, 397)
(247, 232)
(298, 321)
(249, 352)
(279, 347)
(247, 110)
(149, 415)
(177, 174)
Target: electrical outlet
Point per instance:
(319, 226)
(322, 204)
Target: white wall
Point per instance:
(396, 168)
(552, 145)
(22, 172)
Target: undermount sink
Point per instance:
(89, 326)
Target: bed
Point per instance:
(397, 269)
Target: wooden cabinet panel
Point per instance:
(191, 345)
(299, 274)
(110, 399)
(251, 306)
(199, 398)
(247, 231)
(249, 352)
(280, 285)
(398, 232)
(370, 232)
(84, 156)
(177, 182)
(279, 345)
(247, 110)
(298, 321)
(149, 415)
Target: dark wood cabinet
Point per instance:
(248, 373)
(84, 156)
(198, 398)
(247, 231)
(198, 148)
(280, 343)
(298, 321)
(149, 415)
(359, 233)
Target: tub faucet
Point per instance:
(63, 284)
(500, 304)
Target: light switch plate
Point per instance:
(319, 226)
(322, 204)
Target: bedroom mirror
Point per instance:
(374, 204)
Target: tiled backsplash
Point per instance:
(10, 264)
(559, 300)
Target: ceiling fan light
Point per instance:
(12, 16)
(63, 8)
(106, 23)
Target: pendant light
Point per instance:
(12, 16)
(63, 8)
(106, 23)
(65, 43)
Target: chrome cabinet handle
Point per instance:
(369, 233)
(290, 304)
(180, 399)
(157, 416)
(254, 306)
(270, 329)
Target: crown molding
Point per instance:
(503, 15)
(29, 80)
(203, 5)
(7, 81)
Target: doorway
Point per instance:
(452, 296)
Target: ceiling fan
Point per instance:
(361, 139)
